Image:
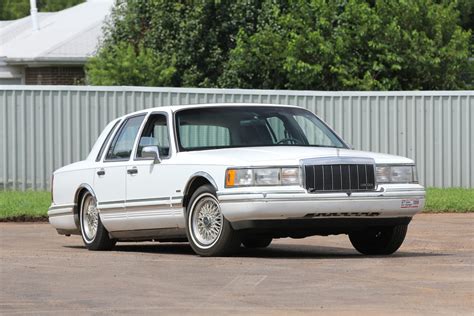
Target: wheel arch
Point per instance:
(81, 190)
(195, 181)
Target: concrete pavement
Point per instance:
(433, 273)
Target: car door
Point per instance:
(150, 186)
(110, 175)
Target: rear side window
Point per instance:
(122, 144)
(106, 141)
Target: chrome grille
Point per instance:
(339, 178)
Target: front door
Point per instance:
(149, 184)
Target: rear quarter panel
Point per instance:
(67, 182)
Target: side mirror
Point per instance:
(151, 152)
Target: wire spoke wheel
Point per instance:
(93, 232)
(90, 218)
(207, 221)
(208, 231)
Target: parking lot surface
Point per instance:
(433, 273)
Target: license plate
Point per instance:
(410, 203)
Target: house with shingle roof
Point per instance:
(55, 51)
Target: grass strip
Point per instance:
(449, 200)
(33, 205)
(24, 206)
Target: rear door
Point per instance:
(110, 175)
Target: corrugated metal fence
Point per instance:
(46, 127)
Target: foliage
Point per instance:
(321, 45)
(124, 64)
(56, 5)
(297, 44)
(197, 37)
(466, 10)
(16, 9)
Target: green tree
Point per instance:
(292, 44)
(351, 45)
(197, 36)
(56, 5)
(16, 9)
(124, 64)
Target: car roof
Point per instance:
(175, 108)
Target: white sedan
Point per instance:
(222, 175)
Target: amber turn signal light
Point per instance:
(230, 178)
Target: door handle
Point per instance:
(101, 172)
(133, 170)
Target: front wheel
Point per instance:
(94, 234)
(379, 241)
(208, 232)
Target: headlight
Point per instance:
(396, 174)
(262, 177)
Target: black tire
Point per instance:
(100, 240)
(379, 241)
(256, 242)
(226, 240)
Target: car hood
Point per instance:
(279, 155)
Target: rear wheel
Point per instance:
(208, 232)
(379, 241)
(94, 234)
(256, 242)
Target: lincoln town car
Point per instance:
(224, 176)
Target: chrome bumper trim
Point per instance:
(262, 205)
(61, 210)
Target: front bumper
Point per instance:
(388, 201)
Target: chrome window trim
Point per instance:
(107, 141)
(124, 121)
(224, 105)
(170, 153)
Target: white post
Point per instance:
(34, 15)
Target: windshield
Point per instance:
(251, 126)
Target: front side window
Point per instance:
(155, 133)
(250, 126)
(122, 144)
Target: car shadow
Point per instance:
(276, 251)
(299, 251)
